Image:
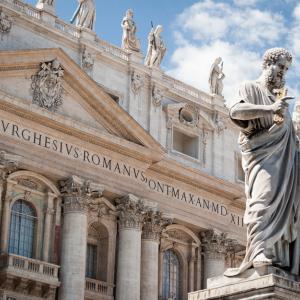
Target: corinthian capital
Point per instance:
(131, 212)
(153, 225)
(8, 164)
(78, 193)
(214, 242)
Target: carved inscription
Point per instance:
(119, 168)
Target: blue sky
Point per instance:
(196, 32)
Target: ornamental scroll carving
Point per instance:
(131, 211)
(153, 225)
(5, 23)
(79, 194)
(47, 85)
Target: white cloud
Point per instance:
(245, 2)
(209, 20)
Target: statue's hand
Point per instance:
(279, 106)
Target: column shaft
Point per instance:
(149, 270)
(129, 265)
(5, 226)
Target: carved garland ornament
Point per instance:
(137, 82)
(157, 95)
(5, 23)
(47, 85)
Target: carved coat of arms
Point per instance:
(47, 85)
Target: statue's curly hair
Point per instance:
(273, 54)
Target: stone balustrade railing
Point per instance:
(23, 7)
(185, 89)
(40, 268)
(67, 28)
(98, 287)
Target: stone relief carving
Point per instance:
(87, 61)
(157, 95)
(189, 115)
(27, 183)
(47, 85)
(216, 77)
(137, 82)
(5, 22)
(154, 223)
(131, 212)
(219, 124)
(85, 14)
(129, 40)
(156, 48)
(79, 194)
(214, 242)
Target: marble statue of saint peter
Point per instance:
(271, 161)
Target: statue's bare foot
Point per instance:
(261, 260)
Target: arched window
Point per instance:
(22, 229)
(171, 275)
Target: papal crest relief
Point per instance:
(47, 85)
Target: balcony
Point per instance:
(28, 276)
(98, 290)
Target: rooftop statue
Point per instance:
(156, 48)
(271, 162)
(216, 77)
(85, 14)
(129, 40)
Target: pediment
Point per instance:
(84, 104)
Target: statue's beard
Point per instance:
(273, 82)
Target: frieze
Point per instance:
(104, 162)
(47, 86)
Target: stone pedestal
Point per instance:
(131, 216)
(255, 284)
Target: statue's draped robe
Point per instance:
(129, 40)
(270, 159)
(85, 14)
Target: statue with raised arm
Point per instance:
(156, 48)
(216, 77)
(271, 162)
(129, 40)
(85, 14)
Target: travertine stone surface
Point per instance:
(267, 287)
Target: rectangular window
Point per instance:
(186, 144)
(91, 261)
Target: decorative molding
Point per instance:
(5, 23)
(47, 85)
(27, 183)
(157, 95)
(78, 194)
(137, 82)
(153, 225)
(131, 211)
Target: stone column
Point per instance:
(192, 269)
(214, 247)
(48, 227)
(8, 164)
(77, 195)
(199, 269)
(131, 217)
(153, 226)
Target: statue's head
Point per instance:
(129, 13)
(158, 29)
(276, 62)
